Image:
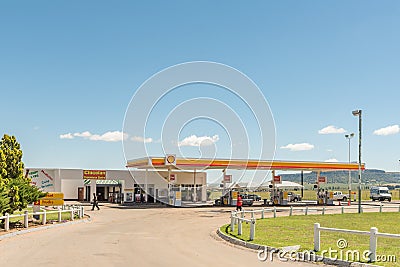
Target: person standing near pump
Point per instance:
(239, 203)
(95, 202)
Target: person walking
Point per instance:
(239, 203)
(95, 202)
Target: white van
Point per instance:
(380, 193)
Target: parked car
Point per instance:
(293, 197)
(252, 196)
(246, 200)
(380, 193)
(338, 195)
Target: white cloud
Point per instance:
(114, 136)
(66, 136)
(394, 129)
(194, 140)
(298, 147)
(331, 160)
(141, 139)
(84, 134)
(331, 129)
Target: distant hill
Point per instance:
(369, 176)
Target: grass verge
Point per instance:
(299, 230)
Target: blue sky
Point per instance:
(70, 67)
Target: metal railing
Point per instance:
(373, 237)
(79, 210)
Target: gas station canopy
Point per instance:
(238, 164)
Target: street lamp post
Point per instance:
(358, 113)
(348, 137)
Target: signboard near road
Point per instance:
(321, 179)
(54, 195)
(94, 174)
(51, 202)
(51, 199)
(227, 178)
(277, 179)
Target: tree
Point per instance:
(16, 191)
(4, 203)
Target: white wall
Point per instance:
(68, 180)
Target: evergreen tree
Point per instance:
(14, 186)
(4, 202)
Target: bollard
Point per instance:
(252, 229)
(291, 211)
(239, 227)
(26, 219)
(317, 244)
(361, 209)
(72, 214)
(44, 217)
(59, 214)
(380, 208)
(7, 222)
(372, 244)
(262, 213)
(342, 210)
(82, 211)
(306, 212)
(323, 211)
(274, 212)
(232, 222)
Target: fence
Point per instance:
(373, 237)
(79, 210)
(238, 217)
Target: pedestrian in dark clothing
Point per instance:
(95, 202)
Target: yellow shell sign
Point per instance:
(54, 195)
(51, 199)
(51, 202)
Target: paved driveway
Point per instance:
(133, 237)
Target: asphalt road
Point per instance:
(134, 237)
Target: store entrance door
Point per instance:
(150, 195)
(81, 194)
(100, 193)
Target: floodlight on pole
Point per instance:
(358, 113)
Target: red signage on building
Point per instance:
(321, 179)
(94, 174)
(172, 177)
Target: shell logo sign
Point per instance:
(277, 179)
(94, 174)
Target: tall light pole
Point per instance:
(358, 113)
(349, 136)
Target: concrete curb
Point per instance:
(40, 228)
(318, 259)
